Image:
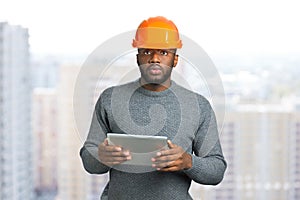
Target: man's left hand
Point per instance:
(172, 159)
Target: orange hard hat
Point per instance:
(157, 33)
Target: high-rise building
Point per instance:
(16, 175)
(45, 142)
(294, 155)
(261, 146)
(45, 71)
(71, 182)
(74, 182)
(74, 116)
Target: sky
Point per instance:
(219, 27)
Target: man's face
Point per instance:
(156, 64)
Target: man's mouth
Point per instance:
(155, 69)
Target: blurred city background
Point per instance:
(43, 45)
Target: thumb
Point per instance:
(106, 142)
(170, 144)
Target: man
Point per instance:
(188, 120)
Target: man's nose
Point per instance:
(154, 58)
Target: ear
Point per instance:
(175, 60)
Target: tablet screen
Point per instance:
(141, 147)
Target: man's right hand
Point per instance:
(112, 155)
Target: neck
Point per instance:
(156, 87)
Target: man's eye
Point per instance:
(147, 52)
(163, 53)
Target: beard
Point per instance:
(155, 73)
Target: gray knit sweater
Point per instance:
(183, 116)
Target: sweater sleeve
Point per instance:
(96, 135)
(208, 163)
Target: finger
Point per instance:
(161, 165)
(113, 163)
(168, 152)
(109, 159)
(167, 158)
(169, 169)
(111, 148)
(168, 163)
(106, 142)
(110, 164)
(121, 153)
(111, 152)
(165, 164)
(174, 164)
(170, 144)
(116, 159)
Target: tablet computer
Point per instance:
(141, 147)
